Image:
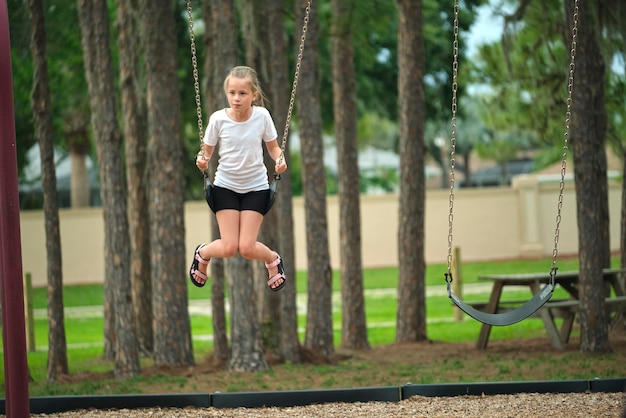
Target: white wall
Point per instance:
(488, 224)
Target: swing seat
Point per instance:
(506, 318)
(209, 192)
(273, 189)
(272, 196)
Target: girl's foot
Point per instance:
(276, 271)
(199, 267)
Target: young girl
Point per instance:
(241, 189)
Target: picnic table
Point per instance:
(555, 308)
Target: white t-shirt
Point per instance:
(240, 165)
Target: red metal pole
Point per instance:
(13, 320)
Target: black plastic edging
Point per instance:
(608, 385)
(55, 404)
(304, 397)
(495, 388)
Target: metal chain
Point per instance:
(292, 99)
(196, 83)
(570, 85)
(568, 113)
(455, 70)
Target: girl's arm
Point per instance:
(277, 155)
(203, 157)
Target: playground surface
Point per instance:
(525, 405)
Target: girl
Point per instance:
(241, 189)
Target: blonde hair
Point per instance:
(244, 72)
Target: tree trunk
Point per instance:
(172, 329)
(411, 315)
(94, 25)
(134, 117)
(247, 349)
(76, 132)
(353, 324)
(42, 113)
(589, 126)
(319, 327)
(80, 188)
(283, 209)
(255, 23)
(246, 298)
(221, 56)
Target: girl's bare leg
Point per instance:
(239, 232)
(228, 243)
(249, 247)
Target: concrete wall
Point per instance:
(489, 224)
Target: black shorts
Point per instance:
(227, 199)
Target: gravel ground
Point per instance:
(526, 405)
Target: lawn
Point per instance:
(454, 357)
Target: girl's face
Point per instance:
(239, 93)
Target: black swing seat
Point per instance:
(506, 318)
(208, 192)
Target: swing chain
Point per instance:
(570, 88)
(568, 114)
(296, 76)
(196, 82)
(455, 70)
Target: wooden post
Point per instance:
(29, 312)
(457, 287)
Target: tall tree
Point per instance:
(71, 111)
(255, 32)
(588, 134)
(94, 26)
(319, 326)
(279, 102)
(172, 329)
(220, 42)
(76, 130)
(411, 315)
(353, 326)
(246, 345)
(135, 141)
(42, 112)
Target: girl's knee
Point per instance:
(247, 251)
(230, 251)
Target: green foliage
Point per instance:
(382, 179)
(377, 131)
(527, 75)
(375, 59)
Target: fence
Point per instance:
(489, 224)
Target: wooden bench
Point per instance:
(558, 308)
(573, 305)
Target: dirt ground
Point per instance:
(397, 364)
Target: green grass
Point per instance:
(380, 308)
(85, 334)
(376, 278)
